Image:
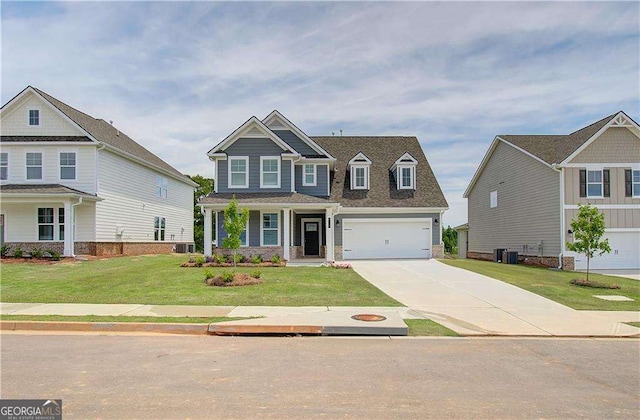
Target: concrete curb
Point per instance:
(146, 327)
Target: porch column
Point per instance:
(328, 222)
(68, 230)
(207, 231)
(287, 233)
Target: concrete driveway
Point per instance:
(630, 274)
(473, 304)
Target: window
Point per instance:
(636, 183)
(4, 165)
(360, 177)
(244, 236)
(34, 165)
(45, 224)
(270, 235)
(270, 169)
(158, 228)
(407, 181)
(238, 170)
(594, 183)
(34, 117)
(493, 199)
(161, 186)
(61, 223)
(359, 168)
(309, 179)
(67, 165)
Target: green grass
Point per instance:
(634, 324)
(555, 284)
(97, 318)
(422, 327)
(160, 280)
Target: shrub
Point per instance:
(275, 259)
(219, 258)
(18, 252)
(227, 276)
(239, 258)
(4, 250)
(209, 259)
(37, 253)
(256, 274)
(200, 261)
(208, 274)
(192, 260)
(256, 259)
(55, 255)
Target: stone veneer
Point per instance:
(337, 253)
(297, 252)
(249, 251)
(552, 262)
(568, 264)
(99, 249)
(437, 251)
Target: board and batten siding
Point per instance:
(85, 165)
(130, 203)
(321, 189)
(16, 123)
(613, 218)
(617, 144)
(254, 227)
(254, 148)
(435, 229)
(528, 209)
(616, 179)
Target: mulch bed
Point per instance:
(214, 264)
(39, 261)
(593, 284)
(239, 279)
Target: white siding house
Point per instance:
(77, 185)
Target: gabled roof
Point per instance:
(106, 134)
(555, 149)
(275, 115)
(360, 158)
(44, 189)
(383, 192)
(247, 130)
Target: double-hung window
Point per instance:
(67, 165)
(61, 223)
(34, 165)
(244, 238)
(309, 176)
(407, 177)
(270, 236)
(34, 117)
(45, 224)
(270, 172)
(360, 177)
(239, 172)
(635, 183)
(162, 184)
(4, 166)
(158, 228)
(594, 183)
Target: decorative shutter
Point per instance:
(607, 183)
(627, 183)
(583, 182)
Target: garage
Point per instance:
(625, 253)
(386, 238)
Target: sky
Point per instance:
(178, 77)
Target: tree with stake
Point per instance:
(235, 222)
(588, 228)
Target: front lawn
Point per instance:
(159, 280)
(427, 327)
(98, 318)
(555, 284)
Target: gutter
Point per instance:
(560, 171)
(73, 226)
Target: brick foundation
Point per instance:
(536, 260)
(437, 251)
(99, 249)
(568, 264)
(30, 246)
(266, 251)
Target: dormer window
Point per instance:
(34, 117)
(359, 169)
(404, 170)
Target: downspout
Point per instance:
(97, 169)
(73, 226)
(560, 171)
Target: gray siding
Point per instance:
(435, 229)
(616, 145)
(528, 208)
(254, 148)
(254, 228)
(321, 189)
(295, 142)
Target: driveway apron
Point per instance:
(473, 304)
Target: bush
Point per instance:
(239, 258)
(256, 259)
(37, 253)
(55, 255)
(219, 258)
(275, 259)
(191, 259)
(200, 261)
(4, 250)
(209, 259)
(227, 276)
(18, 252)
(256, 274)
(208, 274)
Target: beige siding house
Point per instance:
(75, 184)
(527, 190)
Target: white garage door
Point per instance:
(625, 253)
(386, 238)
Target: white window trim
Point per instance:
(164, 186)
(9, 165)
(246, 178)
(262, 212)
(412, 169)
(601, 170)
(29, 117)
(277, 159)
(632, 183)
(27, 166)
(304, 175)
(160, 228)
(493, 199)
(246, 245)
(56, 224)
(353, 176)
(75, 178)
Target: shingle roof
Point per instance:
(9, 139)
(556, 148)
(263, 198)
(383, 152)
(108, 134)
(41, 189)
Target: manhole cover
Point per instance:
(368, 317)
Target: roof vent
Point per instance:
(111, 122)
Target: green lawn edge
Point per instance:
(427, 327)
(633, 324)
(555, 284)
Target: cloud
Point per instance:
(182, 75)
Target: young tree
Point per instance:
(588, 229)
(204, 188)
(449, 238)
(235, 222)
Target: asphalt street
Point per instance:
(122, 377)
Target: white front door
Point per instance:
(386, 238)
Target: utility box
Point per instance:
(510, 257)
(497, 254)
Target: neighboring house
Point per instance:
(331, 197)
(527, 189)
(77, 185)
